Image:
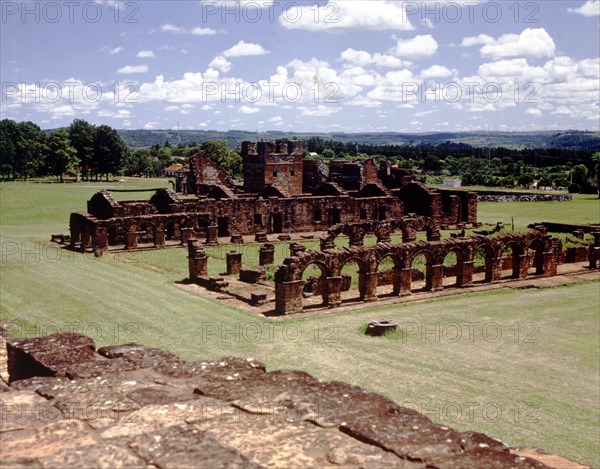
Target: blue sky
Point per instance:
(345, 65)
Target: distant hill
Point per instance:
(575, 140)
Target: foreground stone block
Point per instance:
(48, 356)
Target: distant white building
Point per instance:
(450, 182)
(172, 170)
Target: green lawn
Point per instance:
(522, 366)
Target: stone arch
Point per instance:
(453, 264)
(483, 263)
(173, 230)
(359, 276)
(314, 285)
(146, 231)
(511, 259)
(427, 271)
(389, 271)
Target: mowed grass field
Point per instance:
(522, 366)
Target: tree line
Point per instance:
(93, 151)
(576, 169)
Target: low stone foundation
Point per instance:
(498, 196)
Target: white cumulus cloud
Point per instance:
(248, 110)
(589, 8)
(197, 31)
(530, 43)
(243, 48)
(128, 69)
(145, 54)
(419, 46)
(344, 16)
(362, 58)
(220, 63)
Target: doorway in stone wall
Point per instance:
(223, 226)
(277, 223)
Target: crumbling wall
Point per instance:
(204, 173)
(135, 406)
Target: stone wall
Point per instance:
(134, 406)
(499, 196)
(204, 172)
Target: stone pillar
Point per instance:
(327, 244)
(186, 234)
(85, 238)
(266, 254)
(159, 237)
(234, 262)
(369, 290)
(464, 274)
(356, 239)
(549, 265)
(131, 240)
(101, 238)
(197, 259)
(521, 265)
(496, 268)
(384, 237)
(332, 295)
(296, 248)
(288, 297)
(489, 266)
(261, 237)
(437, 277)
(75, 235)
(595, 251)
(396, 281)
(405, 281)
(409, 235)
(434, 235)
(212, 235)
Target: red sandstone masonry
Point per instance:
(154, 409)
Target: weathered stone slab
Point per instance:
(48, 356)
(272, 442)
(140, 355)
(186, 447)
(38, 442)
(101, 456)
(482, 457)
(153, 418)
(21, 410)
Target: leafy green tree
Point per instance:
(596, 171)
(81, 136)
(230, 161)
(9, 133)
(328, 153)
(62, 157)
(110, 151)
(30, 149)
(525, 179)
(141, 161)
(580, 174)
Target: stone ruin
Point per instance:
(506, 256)
(282, 193)
(534, 249)
(131, 406)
